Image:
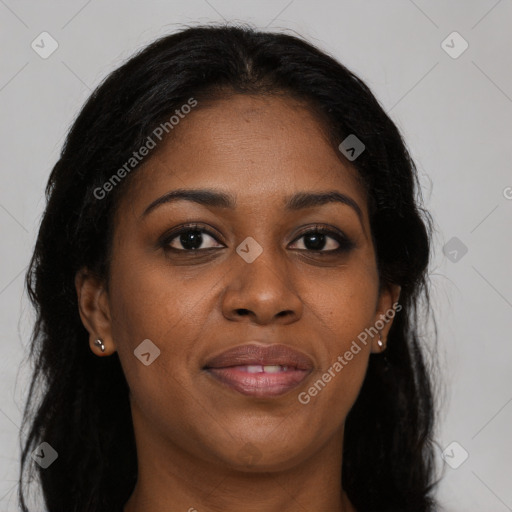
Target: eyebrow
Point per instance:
(217, 199)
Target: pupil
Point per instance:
(318, 241)
(191, 240)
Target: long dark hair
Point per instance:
(78, 403)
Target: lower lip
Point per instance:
(259, 384)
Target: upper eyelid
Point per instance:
(172, 234)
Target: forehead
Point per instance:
(261, 148)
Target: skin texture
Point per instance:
(194, 435)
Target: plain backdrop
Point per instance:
(454, 110)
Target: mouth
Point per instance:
(260, 371)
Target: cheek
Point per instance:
(151, 301)
(155, 301)
(343, 305)
(150, 305)
(342, 308)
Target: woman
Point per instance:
(227, 281)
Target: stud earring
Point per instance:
(380, 343)
(99, 343)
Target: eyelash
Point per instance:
(345, 244)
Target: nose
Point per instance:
(261, 292)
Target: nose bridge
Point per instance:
(260, 284)
(260, 262)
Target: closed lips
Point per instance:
(260, 371)
(253, 357)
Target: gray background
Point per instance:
(455, 114)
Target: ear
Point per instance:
(387, 307)
(94, 309)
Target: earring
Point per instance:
(380, 343)
(99, 343)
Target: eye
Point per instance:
(190, 238)
(193, 238)
(322, 239)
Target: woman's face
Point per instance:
(253, 277)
